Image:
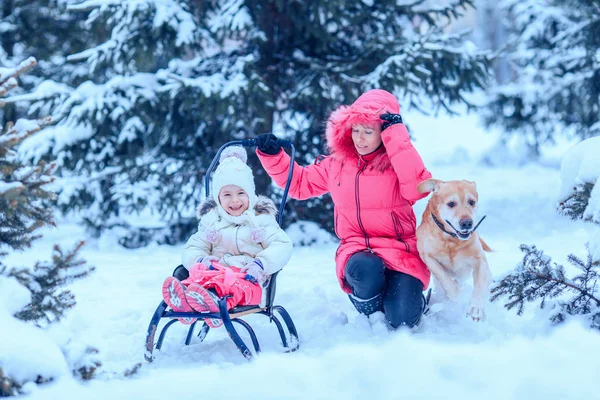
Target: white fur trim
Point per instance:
(209, 218)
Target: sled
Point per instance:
(277, 314)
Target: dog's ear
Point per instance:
(430, 185)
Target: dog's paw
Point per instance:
(476, 313)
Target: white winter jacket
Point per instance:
(237, 241)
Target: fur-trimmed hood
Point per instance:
(366, 109)
(263, 206)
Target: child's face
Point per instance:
(234, 200)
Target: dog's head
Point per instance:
(453, 202)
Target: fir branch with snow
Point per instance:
(575, 205)
(537, 278)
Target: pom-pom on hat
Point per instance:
(233, 170)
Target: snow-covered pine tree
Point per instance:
(24, 202)
(26, 206)
(554, 54)
(64, 33)
(170, 81)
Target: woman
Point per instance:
(372, 175)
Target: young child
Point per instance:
(237, 247)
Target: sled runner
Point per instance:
(276, 313)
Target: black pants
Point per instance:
(181, 273)
(403, 301)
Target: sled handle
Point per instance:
(251, 143)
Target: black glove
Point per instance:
(390, 119)
(268, 144)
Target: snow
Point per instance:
(22, 343)
(25, 125)
(5, 73)
(8, 186)
(46, 89)
(343, 355)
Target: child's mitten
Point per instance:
(254, 271)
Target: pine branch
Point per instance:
(10, 83)
(8, 73)
(16, 133)
(563, 282)
(536, 278)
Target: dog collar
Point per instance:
(441, 226)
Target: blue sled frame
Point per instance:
(289, 339)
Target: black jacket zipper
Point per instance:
(357, 197)
(396, 221)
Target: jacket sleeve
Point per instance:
(406, 161)
(277, 247)
(307, 182)
(195, 248)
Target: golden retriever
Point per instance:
(448, 243)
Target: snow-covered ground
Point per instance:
(344, 355)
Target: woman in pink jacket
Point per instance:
(372, 174)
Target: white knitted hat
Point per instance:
(233, 170)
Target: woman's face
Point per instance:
(366, 138)
(234, 200)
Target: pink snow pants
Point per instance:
(226, 281)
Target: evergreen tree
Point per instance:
(554, 54)
(24, 201)
(26, 206)
(171, 81)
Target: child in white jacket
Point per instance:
(237, 247)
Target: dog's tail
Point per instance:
(485, 246)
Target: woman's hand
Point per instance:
(268, 144)
(390, 119)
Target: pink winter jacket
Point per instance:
(373, 195)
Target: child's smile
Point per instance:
(234, 200)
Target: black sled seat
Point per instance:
(285, 326)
